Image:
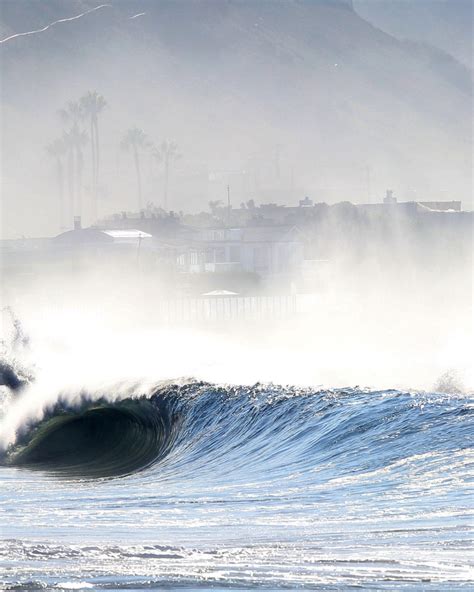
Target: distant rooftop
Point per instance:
(127, 233)
(97, 235)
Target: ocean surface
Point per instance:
(195, 486)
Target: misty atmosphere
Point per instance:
(236, 261)
(277, 99)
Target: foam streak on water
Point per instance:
(197, 486)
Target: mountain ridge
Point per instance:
(228, 79)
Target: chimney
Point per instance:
(306, 202)
(77, 223)
(389, 197)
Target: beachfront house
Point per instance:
(263, 250)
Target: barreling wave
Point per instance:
(98, 439)
(198, 430)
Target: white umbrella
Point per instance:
(220, 293)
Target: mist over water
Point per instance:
(401, 321)
(392, 322)
(142, 454)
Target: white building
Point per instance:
(264, 250)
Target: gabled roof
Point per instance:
(83, 235)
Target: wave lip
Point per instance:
(100, 440)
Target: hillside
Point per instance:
(446, 24)
(230, 81)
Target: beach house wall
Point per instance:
(266, 251)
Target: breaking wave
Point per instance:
(198, 428)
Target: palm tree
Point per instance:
(57, 149)
(79, 139)
(167, 154)
(92, 104)
(72, 113)
(75, 139)
(67, 140)
(135, 140)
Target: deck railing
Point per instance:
(227, 308)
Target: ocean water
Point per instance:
(196, 486)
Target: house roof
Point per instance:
(127, 233)
(83, 235)
(95, 235)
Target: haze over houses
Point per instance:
(263, 250)
(251, 249)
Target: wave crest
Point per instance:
(198, 431)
